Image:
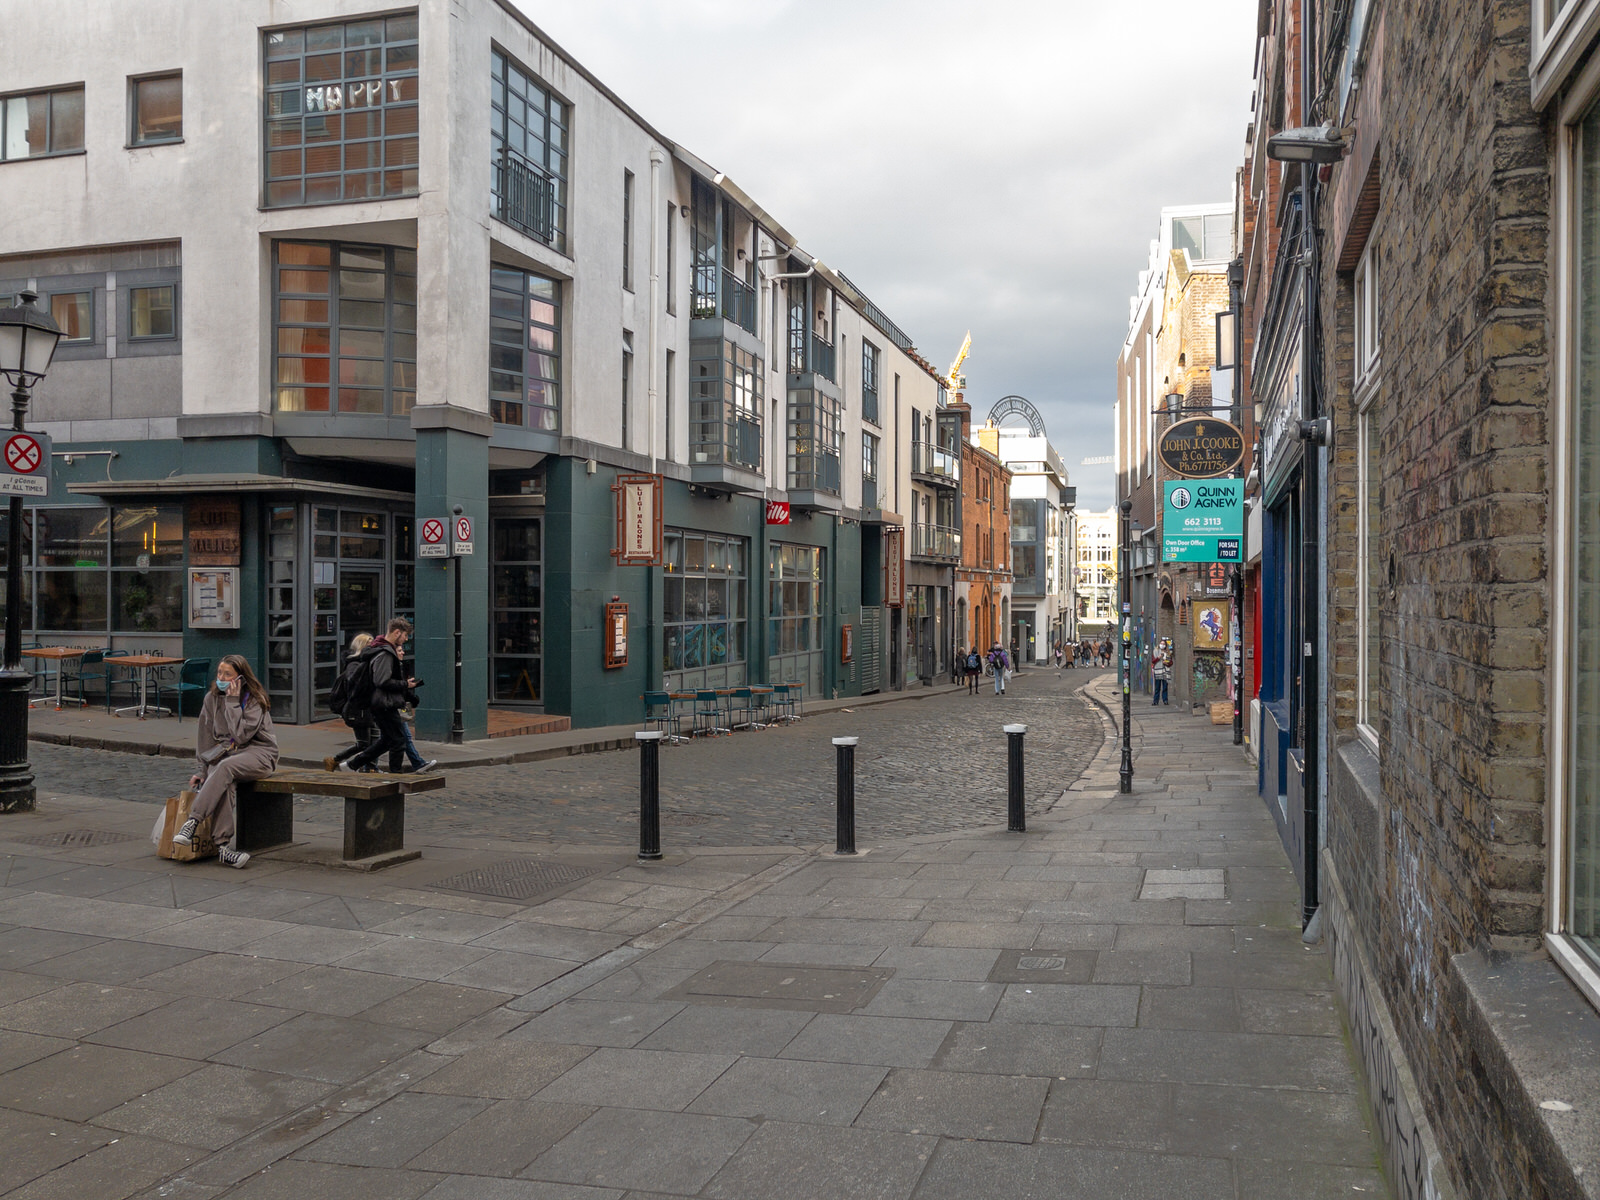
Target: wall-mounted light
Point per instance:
(683, 210)
(1174, 403)
(1315, 144)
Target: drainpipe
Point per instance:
(652, 626)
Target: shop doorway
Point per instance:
(360, 605)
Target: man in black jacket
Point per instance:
(391, 690)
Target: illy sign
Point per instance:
(777, 512)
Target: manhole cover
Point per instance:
(72, 838)
(519, 879)
(793, 986)
(1043, 966)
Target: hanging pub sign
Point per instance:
(214, 531)
(638, 521)
(1216, 576)
(894, 568)
(1201, 448)
(777, 512)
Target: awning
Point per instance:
(182, 485)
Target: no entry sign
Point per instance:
(432, 543)
(25, 464)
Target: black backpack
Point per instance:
(352, 691)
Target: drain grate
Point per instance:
(518, 879)
(75, 838)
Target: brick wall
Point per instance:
(1449, 855)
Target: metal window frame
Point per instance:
(390, 274)
(134, 82)
(731, 621)
(382, 140)
(558, 302)
(89, 292)
(556, 165)
(1577, 962)
(49, 121)
(153, 337)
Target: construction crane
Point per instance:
(954, 381)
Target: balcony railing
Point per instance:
(935, 541)
(822, 358)
(725, 435)
(738, 301)
(524, 195)
(814, 472)
(869, 405)
(928, 459)
(869, 492)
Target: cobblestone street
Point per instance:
(923, 766)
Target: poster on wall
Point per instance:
(638, 541)
(214, 598)
(615, 634)
(1211, 618)
(894, 568)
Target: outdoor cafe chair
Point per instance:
(193, 676)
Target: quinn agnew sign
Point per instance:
(1202, 520)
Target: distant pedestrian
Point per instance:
(234, 741)
(408, 715)
(1000, 661)
(1161, 672)
(1060, 656)
(972, 664)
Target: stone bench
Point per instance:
(374, 809)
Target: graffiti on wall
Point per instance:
(1412, 1162)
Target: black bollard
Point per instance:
(1016, 818)
(845, 794)
(649, 794)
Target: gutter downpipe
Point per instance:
(1310, 502)
(653, 625)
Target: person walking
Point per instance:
(388, 690)
(973, 665)
(358, 718)
(1000, 661)
(1161, 672)
(408, 714)
(234, 741)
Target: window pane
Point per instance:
(66, 120)
(147, 601)
(72, 601)
(158, 109)
(1583, 899)
(147, 535)
(150, 312)
(72, 537)
(74, 312)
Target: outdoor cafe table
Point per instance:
(146, 664)
(57, 654)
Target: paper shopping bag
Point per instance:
(178, 808)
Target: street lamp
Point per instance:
(28, 340)
(1125, 785)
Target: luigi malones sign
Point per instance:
(1201, 448)
(1203, 521)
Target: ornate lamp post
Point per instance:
(28, 340)
(1125, 576)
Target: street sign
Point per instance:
(463, 542)
(25, 464)
(1202, 520)
(432, 543)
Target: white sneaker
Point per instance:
(233, 858)
(185, 834)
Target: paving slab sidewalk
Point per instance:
(1116, 1003)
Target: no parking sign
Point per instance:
(25, 464)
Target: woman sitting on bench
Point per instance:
(235, 742)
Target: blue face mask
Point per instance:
(222, 684)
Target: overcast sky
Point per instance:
(998, 167)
